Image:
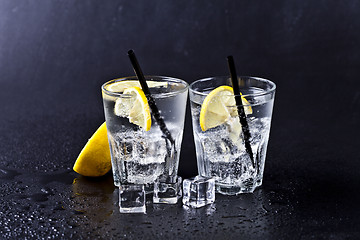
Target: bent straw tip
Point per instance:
(130, 52)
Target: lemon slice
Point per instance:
(94, 159)
(135, 107)
(218, 106)
(120, 86)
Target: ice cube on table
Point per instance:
(167, 191)
(132, 198)
(198, 191)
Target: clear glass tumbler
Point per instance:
(141, 156)
(219, 136)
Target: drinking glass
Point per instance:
(221, 150)
(139, 156)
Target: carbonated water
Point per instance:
(221, 150)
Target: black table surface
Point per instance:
(54, 56)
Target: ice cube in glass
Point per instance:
(167, 191)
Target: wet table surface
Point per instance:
(310, 187)
(52, 70)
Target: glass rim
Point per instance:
(148, 77)
(266, 92)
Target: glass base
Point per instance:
(168, 193)
(149, 188)
(166, 200)
(116, 183)
(247, 186)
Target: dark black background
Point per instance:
(55, 55)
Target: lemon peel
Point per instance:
(218, 106)
(94, 159)
(135, 107)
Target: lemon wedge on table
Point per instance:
(218, 106)
(135, 107)
(94, 159)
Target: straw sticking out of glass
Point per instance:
(169, 140)
(151, 101)
(240, 108)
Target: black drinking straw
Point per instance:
(240, 108)
(151, 101)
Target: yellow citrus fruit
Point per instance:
(218, 106)
(120, 86)
(94, 159)
(135, 107)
